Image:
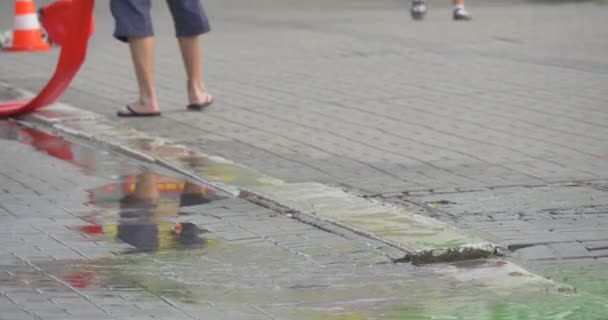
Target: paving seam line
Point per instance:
(271, 196)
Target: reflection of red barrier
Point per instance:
(73, 52)
(80, 280)
(53, 145)
(92, 230)
(60, 148)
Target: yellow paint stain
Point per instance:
(350, 316)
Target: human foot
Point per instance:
(460, 14)
(198, 97)
(139, 109)
(418, 9)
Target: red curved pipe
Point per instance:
(73, 53)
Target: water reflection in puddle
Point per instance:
(90, 160)
(143, 210)
(141, 206)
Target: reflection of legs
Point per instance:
(146, 187)
(194, 194)
(193, 188)
(137, 226)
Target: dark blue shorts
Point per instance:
(133, 19)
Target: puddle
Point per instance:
(140, 206)
(144, 210)
(91, 161)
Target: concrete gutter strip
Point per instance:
(422, 239)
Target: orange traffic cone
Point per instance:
(26, 34)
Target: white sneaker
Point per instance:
(460, 14)
(418, 10)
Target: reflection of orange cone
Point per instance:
(26, 33)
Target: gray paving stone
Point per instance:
(600, 253)
(540, 252)
(563, 264)
(569, 250)
(596, 245)
(587, 235)
(15, 315)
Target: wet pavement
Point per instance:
(487, 105)
(495, 127)
(89, 234)
(400, 234)
(560, 223)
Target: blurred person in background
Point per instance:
(419, 9)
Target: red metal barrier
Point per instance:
(73, 52)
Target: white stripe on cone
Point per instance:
(26, 22)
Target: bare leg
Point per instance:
(192, 55)
(458, 3)
(142, 53)
(146, 186)
(193, 188)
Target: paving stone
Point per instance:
(587, 235)
(15, 315)
(569, 250)
(596, 245)
(600, 253)
(539, 252)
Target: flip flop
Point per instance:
(201, 106)
(133, 113)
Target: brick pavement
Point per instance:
(493, 102)
(544, 225)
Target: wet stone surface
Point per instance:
(538, 116)
(396, 233)
(88, 235)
